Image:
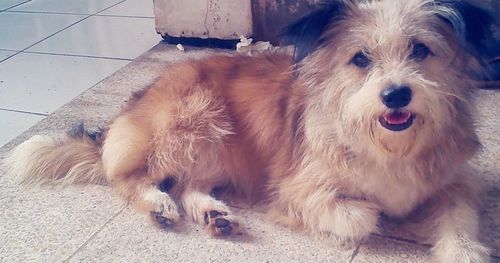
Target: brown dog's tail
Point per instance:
(73, 159)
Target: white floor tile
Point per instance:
(66, 6)
(143, 8)
(104, 36)
(5, 54)
(43, 83)
(20, 30)
(5, 4)
(14, 123)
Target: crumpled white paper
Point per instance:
(245, 46)
(180, 47)
(244, 42)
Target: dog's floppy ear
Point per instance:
(473, 26)
(471, 23)
(305, 34)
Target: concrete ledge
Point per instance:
(222, 19)
(263, 20)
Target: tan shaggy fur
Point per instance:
(304, 137)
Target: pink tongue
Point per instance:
(397, 117)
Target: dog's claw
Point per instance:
(161, 220)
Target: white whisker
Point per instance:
(452, 95)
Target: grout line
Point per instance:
(26, 112)
(55, 13)
(61, 54)
(74, 55)
(108, 7)
(51, 35)
(15, 6)
(354, 253)
(15, 53)
(81, 14)
(95, 233)
(47, 12)
(45, 115)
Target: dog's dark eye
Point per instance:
(361, 60)
(420, 52)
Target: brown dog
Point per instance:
(373, 114)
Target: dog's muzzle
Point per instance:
(396, 98)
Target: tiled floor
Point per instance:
(53, 50)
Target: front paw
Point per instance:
(460, 250)
(348, 222)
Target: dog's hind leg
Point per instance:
(147, 197)
(186, 145)
(189, 147)
(124, 155)
(167, 134)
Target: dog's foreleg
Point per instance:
(344, 221)
(324, 211)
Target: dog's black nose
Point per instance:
(396, 96)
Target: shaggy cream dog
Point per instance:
(373, 114)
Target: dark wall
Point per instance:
(271, 16)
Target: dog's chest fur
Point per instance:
(397, 189)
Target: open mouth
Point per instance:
(397, 120)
